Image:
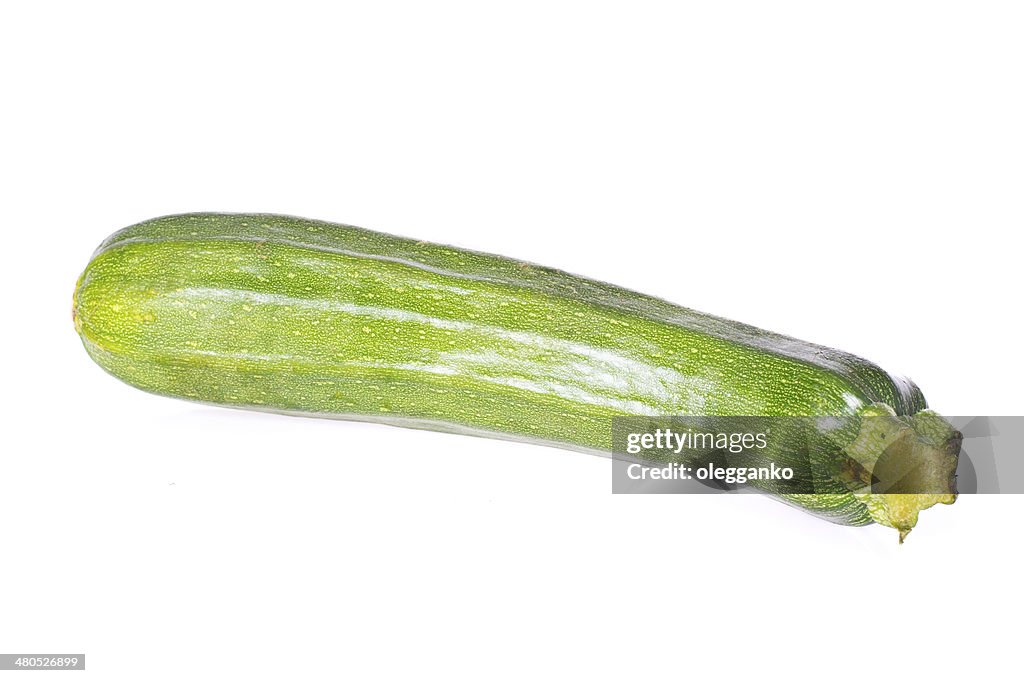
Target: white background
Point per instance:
(847, 173)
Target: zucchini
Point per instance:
(299, 316)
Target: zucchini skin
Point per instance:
(286, 314)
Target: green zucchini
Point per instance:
(298, 316)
